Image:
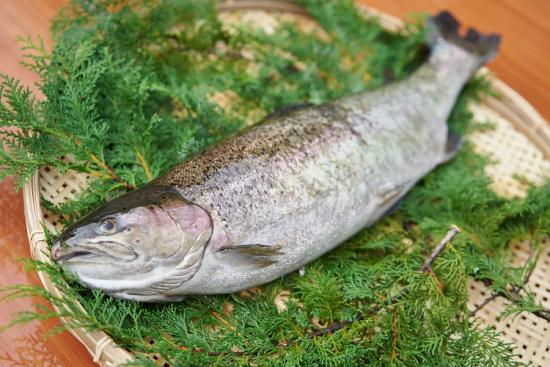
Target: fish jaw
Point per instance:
(65, 253)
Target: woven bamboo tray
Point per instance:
(520, 145)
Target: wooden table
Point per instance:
(522, 63)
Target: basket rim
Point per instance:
(99, 344)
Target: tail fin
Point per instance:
(446, 26)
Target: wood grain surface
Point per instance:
(522, 63)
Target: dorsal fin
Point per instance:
(288, 109)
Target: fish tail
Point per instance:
(444, 26)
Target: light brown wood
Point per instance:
(26, 345)
(521, 64)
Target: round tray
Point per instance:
(519, 144)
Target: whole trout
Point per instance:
(280, 194)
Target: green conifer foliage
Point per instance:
(134, 87)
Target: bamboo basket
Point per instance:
(520, 145)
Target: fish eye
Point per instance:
(108, 225)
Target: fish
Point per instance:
(281, 193)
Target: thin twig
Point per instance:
(483, 304)
(530, 272)
(395, 336)
(437, 282)
(111, 173)
(512, 297)
(333, 327)
(532, 263)
(144, 165)
(427, 266)
(222, 320)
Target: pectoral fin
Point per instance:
(389, 193)
(251, 255)
(390, 197)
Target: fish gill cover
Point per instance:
(133, 87)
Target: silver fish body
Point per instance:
(287, 190)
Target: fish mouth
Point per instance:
(66, 253)
(72, 255)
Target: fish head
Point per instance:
(139, 245)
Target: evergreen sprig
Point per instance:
(133, 87)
